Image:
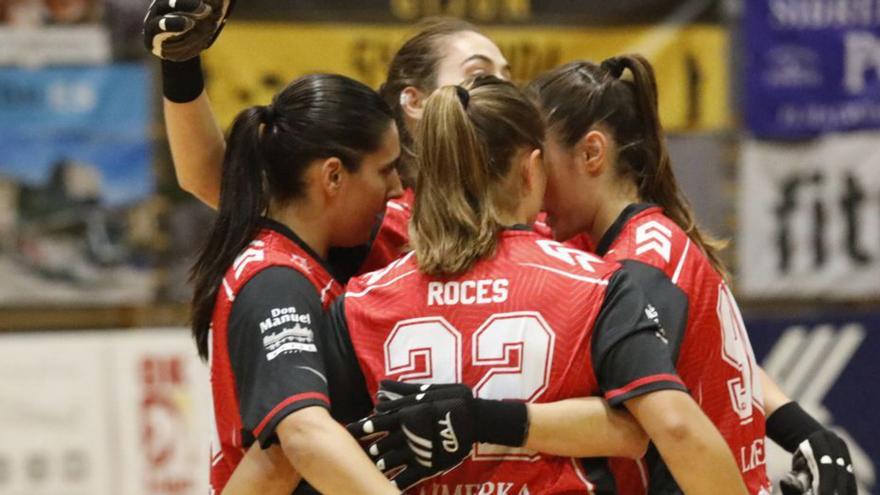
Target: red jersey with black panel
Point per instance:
(709, 341)
(264, 351)
(393, 235)
(537, 321)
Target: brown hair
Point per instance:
(415, 64)
(580, 95)
(467, 139)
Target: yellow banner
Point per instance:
(251, 61)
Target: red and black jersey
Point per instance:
(393, 234)
(538, 321)
(265, 359)
(709, 341)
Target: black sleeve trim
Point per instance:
(265, 431)
(642, 386)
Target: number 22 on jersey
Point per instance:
(515, 349)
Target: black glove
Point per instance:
(179, 30)
(821, 466)
(432, 428)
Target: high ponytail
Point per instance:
(268, 152)
(467, 139)
(659, 186)
(579, 95)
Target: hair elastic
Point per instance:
(463, 96)
(614, 66)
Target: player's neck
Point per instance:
(311, 228)
(610, 209)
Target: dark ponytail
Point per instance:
(242, 203)
(580, 95)
(268, 151)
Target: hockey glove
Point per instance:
(179, 30)
(821, 466)
(432, 428)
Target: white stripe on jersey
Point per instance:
(564, 273)
(681, 262)
(386, 284)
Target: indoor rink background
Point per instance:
(773, 113)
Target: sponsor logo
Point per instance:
(654, 236)
(292, 339)
(450, 441)
(486, 488)
(653, 315)
(283, 316)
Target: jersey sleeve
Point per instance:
(348, 388)
(671, 303)
(274, 352)
(630, 351)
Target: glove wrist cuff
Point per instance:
(501, 422)
(182, 82)
(790, 425)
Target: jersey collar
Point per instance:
(287, 232)
(613, 232)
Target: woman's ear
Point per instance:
(592, 152)
(331, 175)
(412, 101)
(533, 170)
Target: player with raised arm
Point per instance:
(611, 179)
(307, 172)
(443, 51)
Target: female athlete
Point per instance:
(611, 179)
(307, 172)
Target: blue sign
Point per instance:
(811, 67)
(93, 119)
(829, 365)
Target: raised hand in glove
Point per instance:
(432, 428)
(821, 466)
(179, 30)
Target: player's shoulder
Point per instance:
(537, 252)
(383, 278)
(652, 238)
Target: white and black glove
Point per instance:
(821, 466)
(424, 430)
(179, 30)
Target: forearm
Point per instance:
(693, 449)
(327, 456)
(774, 397)
(197, 147)
(263, 472)
(584, 427)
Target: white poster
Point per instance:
(103, 413)
(163, 400)
(809, 218)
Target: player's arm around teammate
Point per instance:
(307, 172)
(466, 148)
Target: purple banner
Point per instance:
(812, 66)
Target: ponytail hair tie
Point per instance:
(267, 115)
(463, 96)
(613, 66)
